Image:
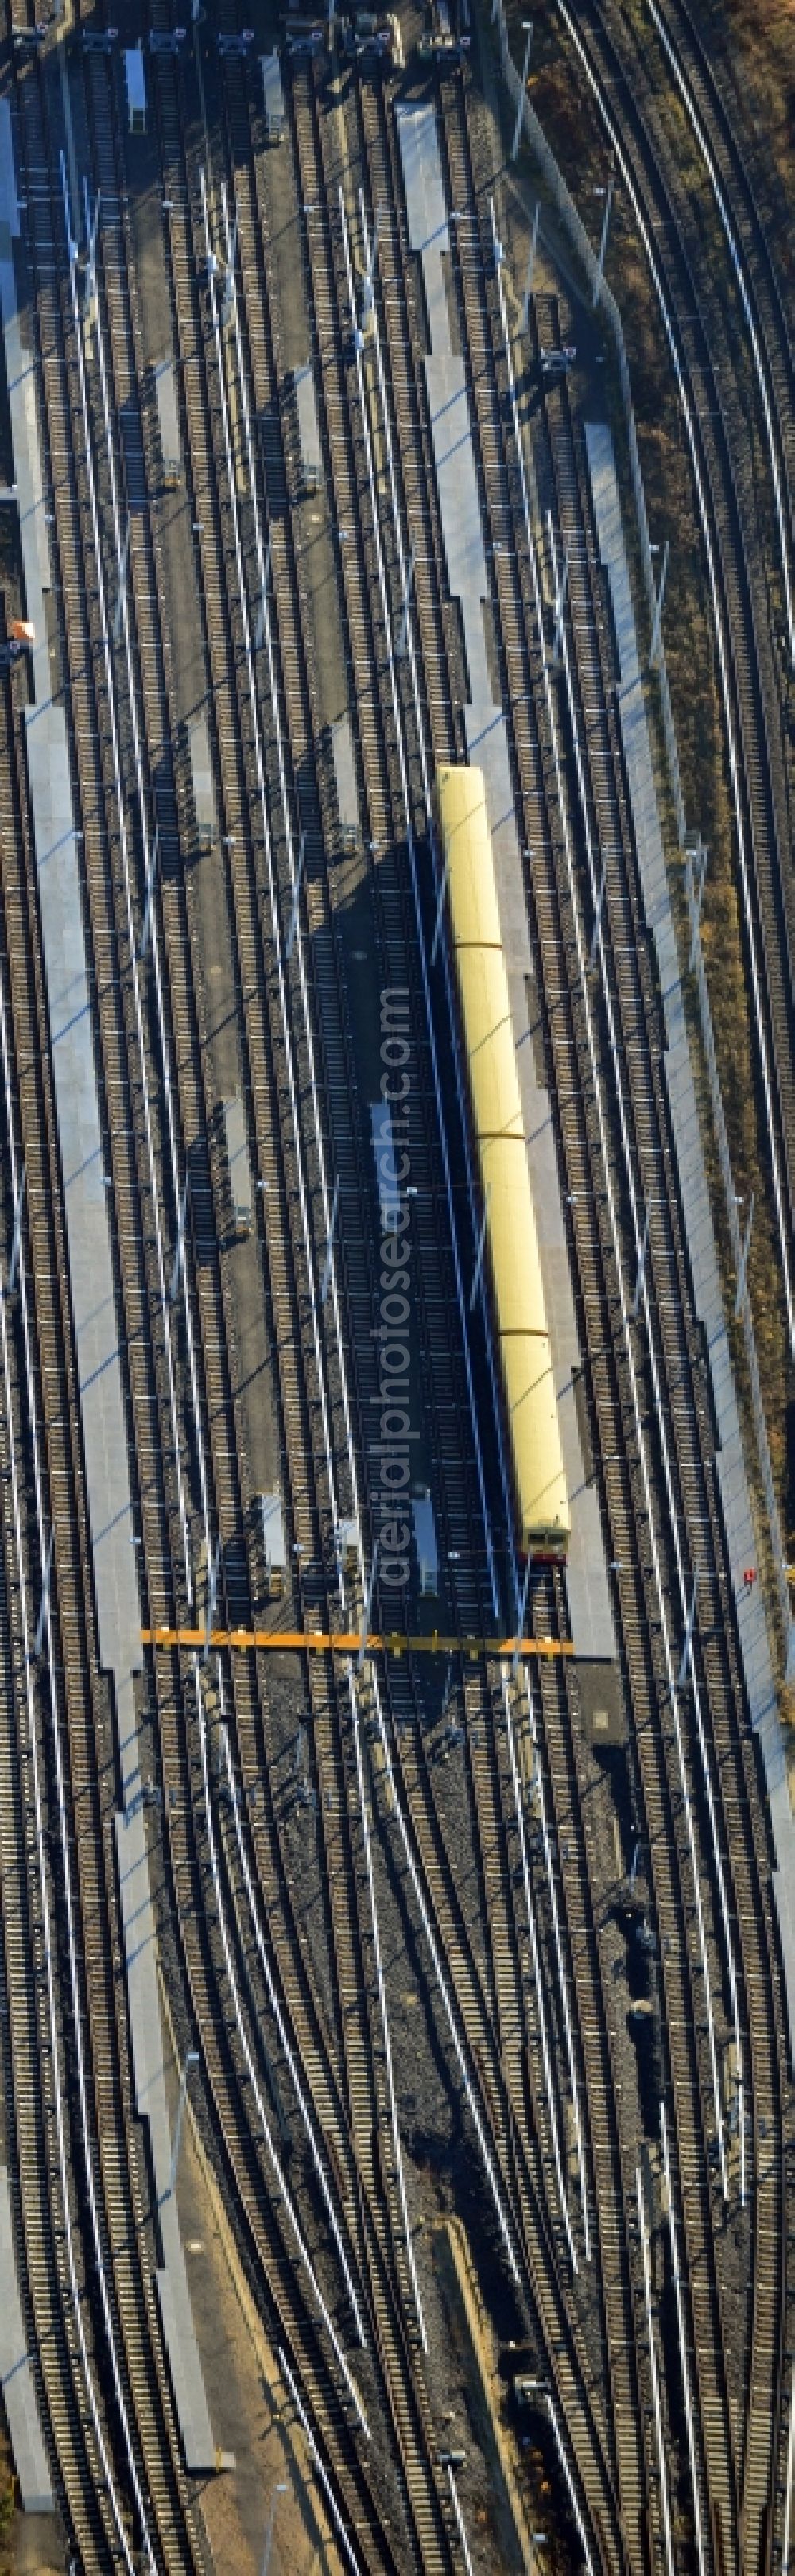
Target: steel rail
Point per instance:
(309, 1248)
(204, 1480)
(254, 705)
(426, 981)
(475, 369)
(343, 2536)
(196, 1638)
(680, 2323)
(673, 1523)
(240, 2020)
(432, 1043)
(65, 2166)
(616, 1056)
(284, 2035)
(553, 1893)
(586, 1006)
(47, 1632)
(371, 514)
(777, 461)
(655, 2379)
(745, 1847)
(332, 1481)
(321, 1377)
(606, 1166)
(788, 2507)
(149, 2396)
(391, 667)
(123, 843)
(404, 780)
(304, 2257)
(735, 762)
(571, 2484)
(415, 1873)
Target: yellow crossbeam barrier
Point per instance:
(315, 1641)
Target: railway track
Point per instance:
(155, 2511)
(42, 2141)
(300, 2031)
(763, 542)
(715, 421)
(421, 581)
(724, 1693)
(318, 140)
(697, 2107)
(693, 68)
(734, 1821)
(491, 1796)
(234, 790)
(283, 2304)
(304, 184)
(336, 1043)
(338, 1804)
(396, 285)
(728, 2501)
(598, 2090)
(309, 195)
(155, 720)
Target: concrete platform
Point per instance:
(422, 177)
(19, 2394)
(93, 1300)
(708, 1295)
(590, 1607)
(202, 773)
(386, 1169)
(308, 424)
(345, 774)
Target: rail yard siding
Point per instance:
(730, 1465)
(18, 2384)
(95, 1325)
(590, 1609)
(555, 185)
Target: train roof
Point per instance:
(518, 1291)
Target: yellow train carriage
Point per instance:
(512, 1242)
